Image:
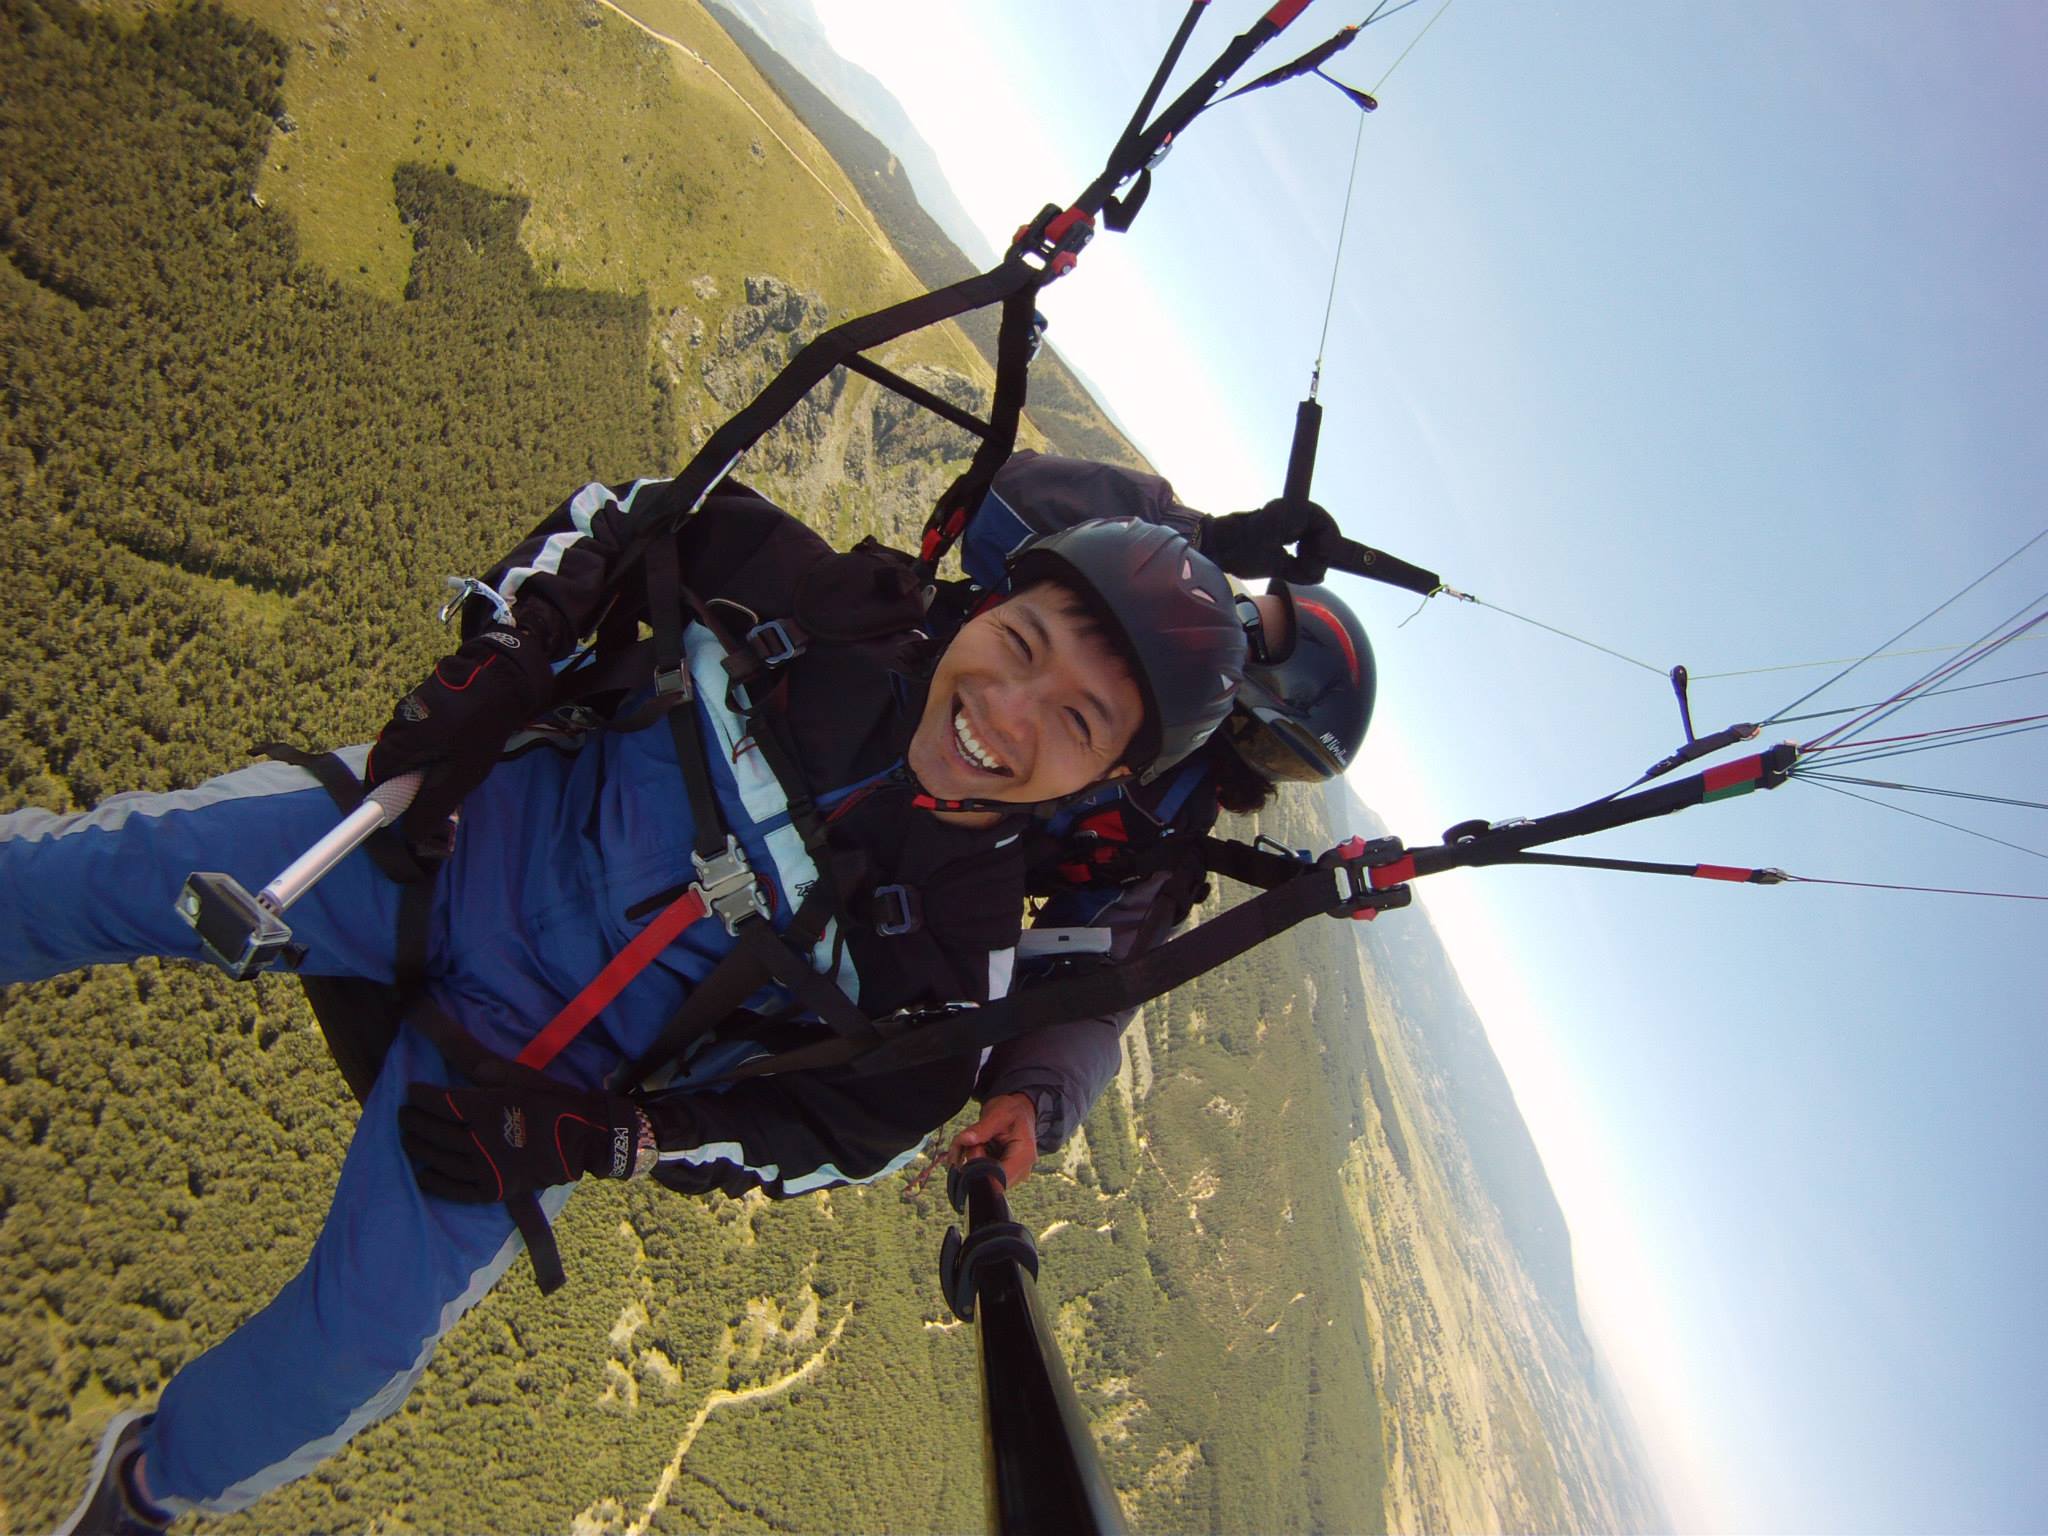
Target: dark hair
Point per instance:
(1079, 605)
(1239, 786)
(1088, 621)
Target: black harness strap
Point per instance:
(674, 693)
(469, 1056)
(832, 349)
(1006, 409)
(359, 1017)
(917, 394)
(1331, 887)
(759, 956)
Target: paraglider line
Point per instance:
(1568, 635)
(1948, 730)
(1932, 746)
(1336, 261)
(1984, 646)
(1837, 661)
(1931, 890)
(1920, 816)
(1439, 16)
(1932, 693)
(1924, 789)
(1877, 650)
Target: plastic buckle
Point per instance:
(786, 650)
(907, 904)
(1357, 897)
(726, 885)
(1056, 237)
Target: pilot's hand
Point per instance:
(1256, 543)
(1007, 1131)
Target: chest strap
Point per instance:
(725, 888)
(1337, 885)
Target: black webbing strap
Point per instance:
(674, 691)
(1311, 891)
(759, 955)
(824, 352)
(1006, 409)
(1500, 844)
(622, 670)
(1057, 235)
(917, 394)
(467, 1055)
(387, 850)
(1128, 141)
(1309, 63)
(1136, 149)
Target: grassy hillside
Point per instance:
(264, 388)
(1073, 423)
(1494, 1414)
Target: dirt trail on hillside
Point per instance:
(603, 1516)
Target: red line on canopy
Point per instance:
(1951, 730)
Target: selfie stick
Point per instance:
(243, 934)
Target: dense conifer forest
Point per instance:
(232, 485)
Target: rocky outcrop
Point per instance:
(904, 431)
(753, 344)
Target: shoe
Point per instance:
(110, 1508)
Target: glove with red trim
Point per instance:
(455, 723)
(1255, 543)
(485, 1144)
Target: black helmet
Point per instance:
(1168, 611)
(1302, 713)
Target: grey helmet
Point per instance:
(1168, 611)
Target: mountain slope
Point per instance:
(792, 29)
(1074, 423)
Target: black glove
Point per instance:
(484, 1144)
(1255, 543)
(455, 723)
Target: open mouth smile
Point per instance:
(970, 749)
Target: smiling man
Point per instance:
(848, 794)
(1038, 703)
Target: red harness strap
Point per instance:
(614, 978)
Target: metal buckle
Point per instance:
(726, 884)
(674, 683)
(466, 587)
(786, 649)
(1299, 855)
(907, 904)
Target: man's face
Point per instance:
(1026, 704)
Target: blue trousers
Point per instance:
(552, 851)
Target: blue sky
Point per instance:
(1719, 335)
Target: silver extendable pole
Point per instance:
(384, 804)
